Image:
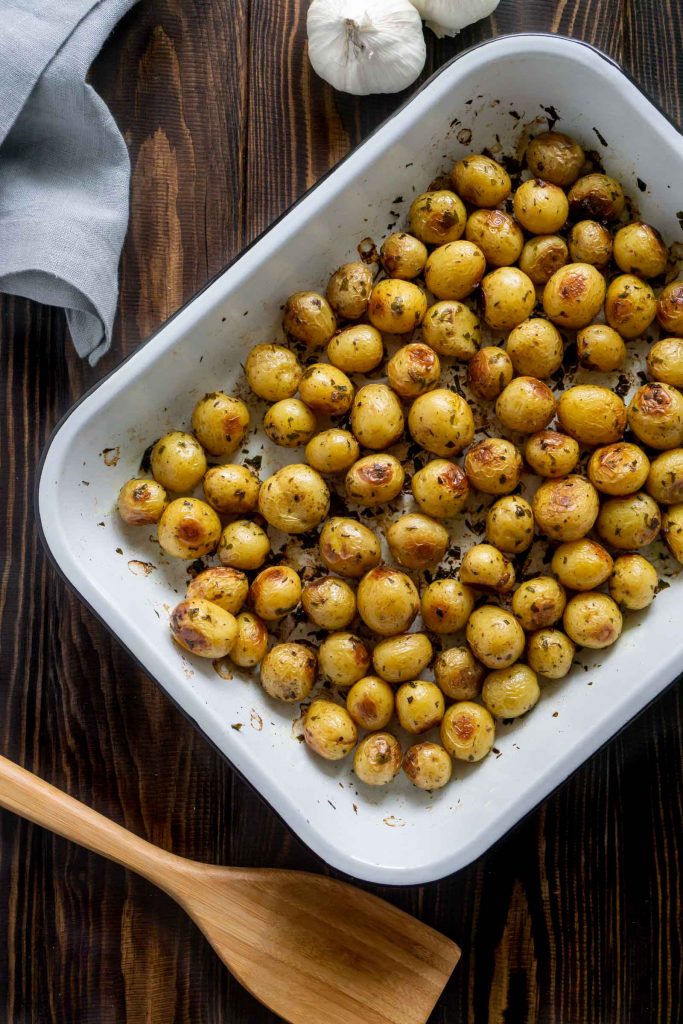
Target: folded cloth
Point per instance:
(64, 168)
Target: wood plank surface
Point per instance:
(574, 918)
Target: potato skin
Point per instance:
(633, 583)
(343, 658)
(655, 415)
(251, 643)
(356, 349)
(540, 207)
(440, 488)
(618, 469)
(452, 329)
(481, 181)
(370, 702)
(498, 236)
(288, 672)
(565, 509)
(308, 318)
(458, 673)
(401, 658)
(275, 592)
(178, 461)
(665, 362)
(377, 417)
(670, 308)
(329, 603)
(596, 196)
(511, 692)
(454, 270)
(226, 587)
(387, 601)
(396, 307)
(629, 522)
(551, 454)
(556, 157)
(526, 405)
(600, 348)
(375, 480)
(446, 606)
(494, 636)
(639, 249)
(203, 628)
(188, 528)
(325, 388)
(243, 545)
(403, 255)
(590, 242)
(329, 730)
(349, 548)
(507, 298)
(483, 565)
(574, 295)
(592, 620)
(672, 530)
(428, 766)
(295, 499)
(630, 305)
(538, 603)
(510, 525)
(141, 502)
(467, 731)
(413, 370)
(442, 422)
(437, 217)
(416, 541)
(290, 423)
(231, 490)
(348, 290)
(419, 706)
(273, 372)
(489, 372)
(494, 466)
(542, 256)
(550, 653)
(332, 451)
(665, 479)
(591, 414)
(377, 760)
(582, 564)
(535, 348)
(220, 423)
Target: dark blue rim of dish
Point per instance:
(209, 283)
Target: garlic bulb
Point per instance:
(448, 17)
(366, 46)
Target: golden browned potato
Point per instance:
(308, 318)
(582, 564)
(458, 673)
(655, 415)
(630, 305)
(275, 592)
(629, 522)
(670, 308)
(413, 369)
(596, 196)
(400, 658)
(511, 692)
(273, 372)
(497, 234)
(243, 545)
(220, 423)
(440, 488)
(618, 469)
(538, 602)
(556, 157)
(467, 731)
(419, 706)
(329, 603)
(446, 605)
(356, 349)
(600, 348)
(591, 414)
(437, 217)
(633, 583)
(348, 290)
(188, 528)
(416, 541)
(178, 461)
(231, 490)
(480, 180)
(592, 620)
(565, 509)
(526, 405)
(396, 306)
(489, 372)
(494, 466)
(535, 348)
(377, 417)
(295, 499)
(551, 454)
(574, 295)
(542, 256)
(343, 659)
(451, 329)
(375, 480)
(495, 636)
(329, 730)
(290, 423)
(672, 530)
(665, 478)
(483, 565)
(388, 601)
(510, 524)
(590, 242)
(288, 672)
(251, 643)
(348, 547)
(403, 255)
(141, 502)
(540, 207)
(226, 587)
(507, 298)
(639, 249)
(203, 628)
(325, 388)
(428, 766)
(454, 270)
(377, 760)
(550, 653)
(370, 702)
(665, 362)
(442, 422)
(332, 451)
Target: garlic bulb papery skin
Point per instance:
(448, 17)
(366, 46)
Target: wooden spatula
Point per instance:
(311, 948)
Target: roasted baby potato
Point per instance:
(665, 478)
(592, 620)
(565, 509)
(454, 270)
(203, 628)
(596, 196)
(590, 242)
(243, 545)
(442, 422)
(231, 490)
(348, 547)
(348, 290)
(555, 157)
(387, 600)
(481, 181)
(428, 766)
(467, 731)
(251, 642)
(413, 370)
(489, 372)
(629, 522)
(630, 305)
(655, 415)
(329, 603)
(639, 249)
(290, 423)
(507, 298)
(665, 362)
(375, 480)
(498, 236)
(377, 417)
(600, 348)
(325, 388)
(226, 587)
(288, 672)
(633, 583)
(550, 653)
(440, 488)
(510, 524)
(452, 329)
(582, 564)
(377, 760)
(551, 454)
(396, 307)
(295, 499)
(141, 502)
(526, 405)
(220, 423)
(494, 636)
(273, 372)
(370, 702)
(308, 318)
(437, 217)
(416, 541)
(329, 730)
(419, 706)
(178, 461)
(400, 658)
(446, 606)
(356, 349)
(670, 308)
(343, 659)
(542, 256)
(540, 207)
(188, 528)
(574, 295)
(538, 602)
(511, 692)
(494, 466)
(275, 592)
(458, 673)
(592, 414)
(332, 451)
(672, 530)
(618, 469)
(535, 348)
(403, 255)
(483, 565)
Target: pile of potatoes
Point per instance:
(552, 262)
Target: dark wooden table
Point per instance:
(575, 918)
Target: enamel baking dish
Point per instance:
(496, 91)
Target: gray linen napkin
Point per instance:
(64, 168)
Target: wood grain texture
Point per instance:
(575, 918)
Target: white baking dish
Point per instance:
(397, 836)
